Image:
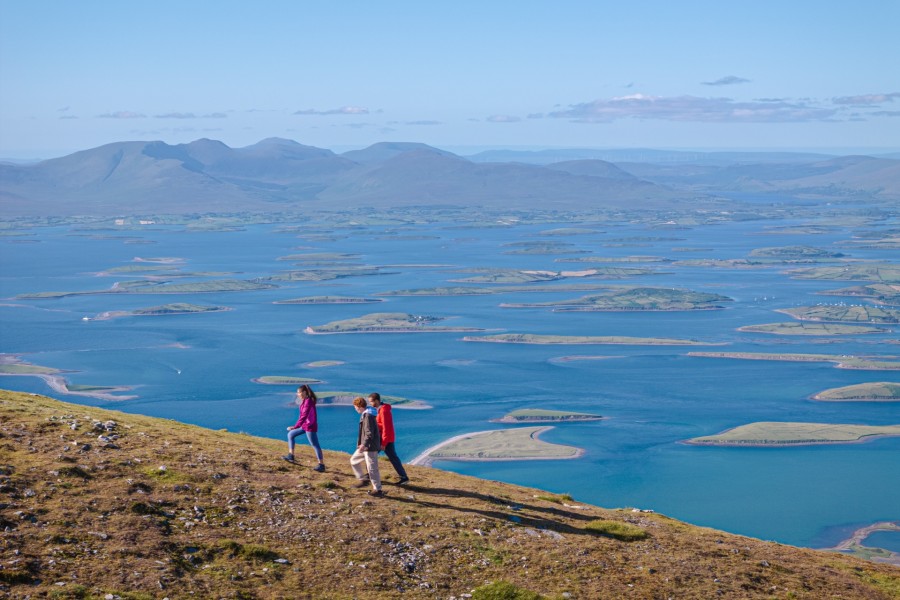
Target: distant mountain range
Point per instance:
(131, 178)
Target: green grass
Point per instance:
(617, 530)
(503, 590)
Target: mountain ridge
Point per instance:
(275, 174)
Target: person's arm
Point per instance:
(304, 414)
(385, 424)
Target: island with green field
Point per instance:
(778, 434)
(521, 443)
(327, 274)
(841, 313)
(877, 272)
(484, 291)
(841, 361)
(160, 287)
(635, 299)
(174, 308)
(883, 293)
(513, 276)
(879, 391)
(332, 398)
(792, 328)
(540, 415)
(328, 300)
(795, 252)
(12, 365)
(387, 323)
(529, 338)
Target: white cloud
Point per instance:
(727, 80)
(867, 99)
(122, 114)
(344, 110)
(502, 119)
(693, 109)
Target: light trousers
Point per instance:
(371, 459)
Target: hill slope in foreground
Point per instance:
(102, 504)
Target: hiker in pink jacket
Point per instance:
(308, 424)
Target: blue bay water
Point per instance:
(199, 368)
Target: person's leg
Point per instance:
(291, 438)
(371, 459)
(356, 461)
(391, 452)
(314, 442)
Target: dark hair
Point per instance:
(306, 392)
(375, 396)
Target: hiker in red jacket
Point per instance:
(386, 425)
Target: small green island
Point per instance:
(880, 391)
(387, 323)
(284, 380)
(540, 415)
(513, 276)
(318, 364)
(175, 308)
(328, 300)
(778, 434)
(521, 443)
(636, 299)
(842, 361)
(333, 398)
(529, 338)
(483, 291)
(792, 328)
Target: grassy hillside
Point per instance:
(102, 504)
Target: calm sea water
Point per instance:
(199, 368)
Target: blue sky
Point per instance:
(460, 75)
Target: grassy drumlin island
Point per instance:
(104, 504)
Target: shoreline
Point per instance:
(426, 460)
(852, 544)
(58, 384)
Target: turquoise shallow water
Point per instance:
(199, 368)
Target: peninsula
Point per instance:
(346, 399)
(767, 433)
(881, 391)
(328, 300)
(521, 443)
(843, 361)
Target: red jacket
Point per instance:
(385, 424)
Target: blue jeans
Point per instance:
(391, 454)
(313, 441)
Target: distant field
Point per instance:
(878, 391)
(795, 434)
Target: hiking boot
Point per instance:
(320, 468)
(288, 457)
(376, 493)
(362, 483)
(402, 481)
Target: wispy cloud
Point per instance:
(727, 80)
(693, 109)
(503, 119)
(886, 113)
(122, 114)
(190, 115)
(344, 110)
(867, 99)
